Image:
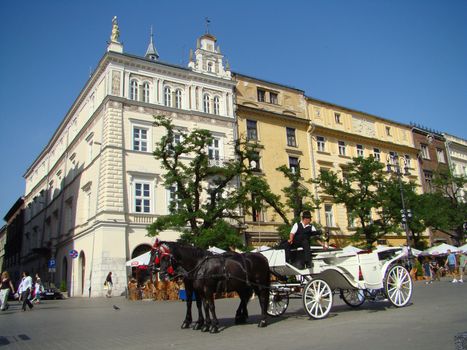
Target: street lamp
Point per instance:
(395, 165)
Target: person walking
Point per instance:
(462, 266)
(38, 289)
(24, 290)
(451, 264)
(5, 288)
(108, 284)
(427, 271)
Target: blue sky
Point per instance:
(404, 60)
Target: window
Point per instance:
(214, 150)
(321, 141)
(216, 105)
(172, 198)
(440, 155)
(350, 220)
(261, 95)
(360, 151)
(178, 98)
(377, 154)
(255, 162)
(140, 139)
(134, 90)
(167, 96)
(337, 117)
(273, 98)
(393, 158)
(293, 164)
(291, 141)
(206, 103)
(251, 130)
(341, 148)
(142, 197)
(329, 215)
(407, 161)
(388, 131)
(425, 153)
(146, 92)
(428, 179)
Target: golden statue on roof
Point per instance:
(115, 30)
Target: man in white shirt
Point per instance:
(300, 235)
(24, 290)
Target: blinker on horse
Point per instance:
(206, 274)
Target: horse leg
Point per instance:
(212, 308)
(199, 305)
(189, 299)
(263, 296)
(242, 311)
(207, 323)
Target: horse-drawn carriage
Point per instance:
(355, 276)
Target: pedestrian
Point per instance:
(5, 288)
(462, 266)
(427, 272)
(435, 268)
(108, 284)
(451, 264)
(24, 290)
(38, 289)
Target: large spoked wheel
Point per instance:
(353, 297)
(398, 286)
(278, 303)
(317, 298)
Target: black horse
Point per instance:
(206, 274)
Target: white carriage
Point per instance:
(355, 276)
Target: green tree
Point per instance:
(205, 192)
(361, 188)
(447, 204)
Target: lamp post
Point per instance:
(395, 164)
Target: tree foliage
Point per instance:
(206, 191)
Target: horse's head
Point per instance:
(163, 259)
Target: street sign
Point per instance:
(52, 269)
(73, 253)
(52, 264)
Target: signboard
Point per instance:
(74, 253)
(52, 269)
(52, 264)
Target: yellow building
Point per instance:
(274, 116)
(338, 134)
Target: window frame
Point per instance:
(146, 92)
(167, 96)
(291, 137)
(216, 105)
(249, 129)
(134, 89)
(142, 197)
(329, 215)
(360, 150)
(178, 98)
(294, 166)
(261, 95)
(342, 148)
(321, 143)
(273, 98)
(206, 103)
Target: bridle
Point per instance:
(163, 251)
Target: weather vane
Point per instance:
(208, 21)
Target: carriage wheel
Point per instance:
(398, 286)
(353, 297)
(278, 303)
(317, 298)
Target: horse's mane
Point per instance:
(187, 250)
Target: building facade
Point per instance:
(338, 134)
(95, 187)
(13, 237)
(273, 117)
(456, 149)
(432, 157)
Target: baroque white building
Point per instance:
(96, 185)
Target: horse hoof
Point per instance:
(214, 329)
(197, 326)
(262, 324)
(185, 325)
(205, 328)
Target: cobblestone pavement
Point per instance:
(437, 315)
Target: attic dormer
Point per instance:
(208, 58)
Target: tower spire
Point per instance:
(151, 52)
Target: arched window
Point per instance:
(216, 105)
(178, 98)
(134, 90)
(167, 97)
(146, 92)
(206, 103)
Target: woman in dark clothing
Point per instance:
(5, 288)
(108, 284)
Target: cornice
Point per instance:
(250, 110)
